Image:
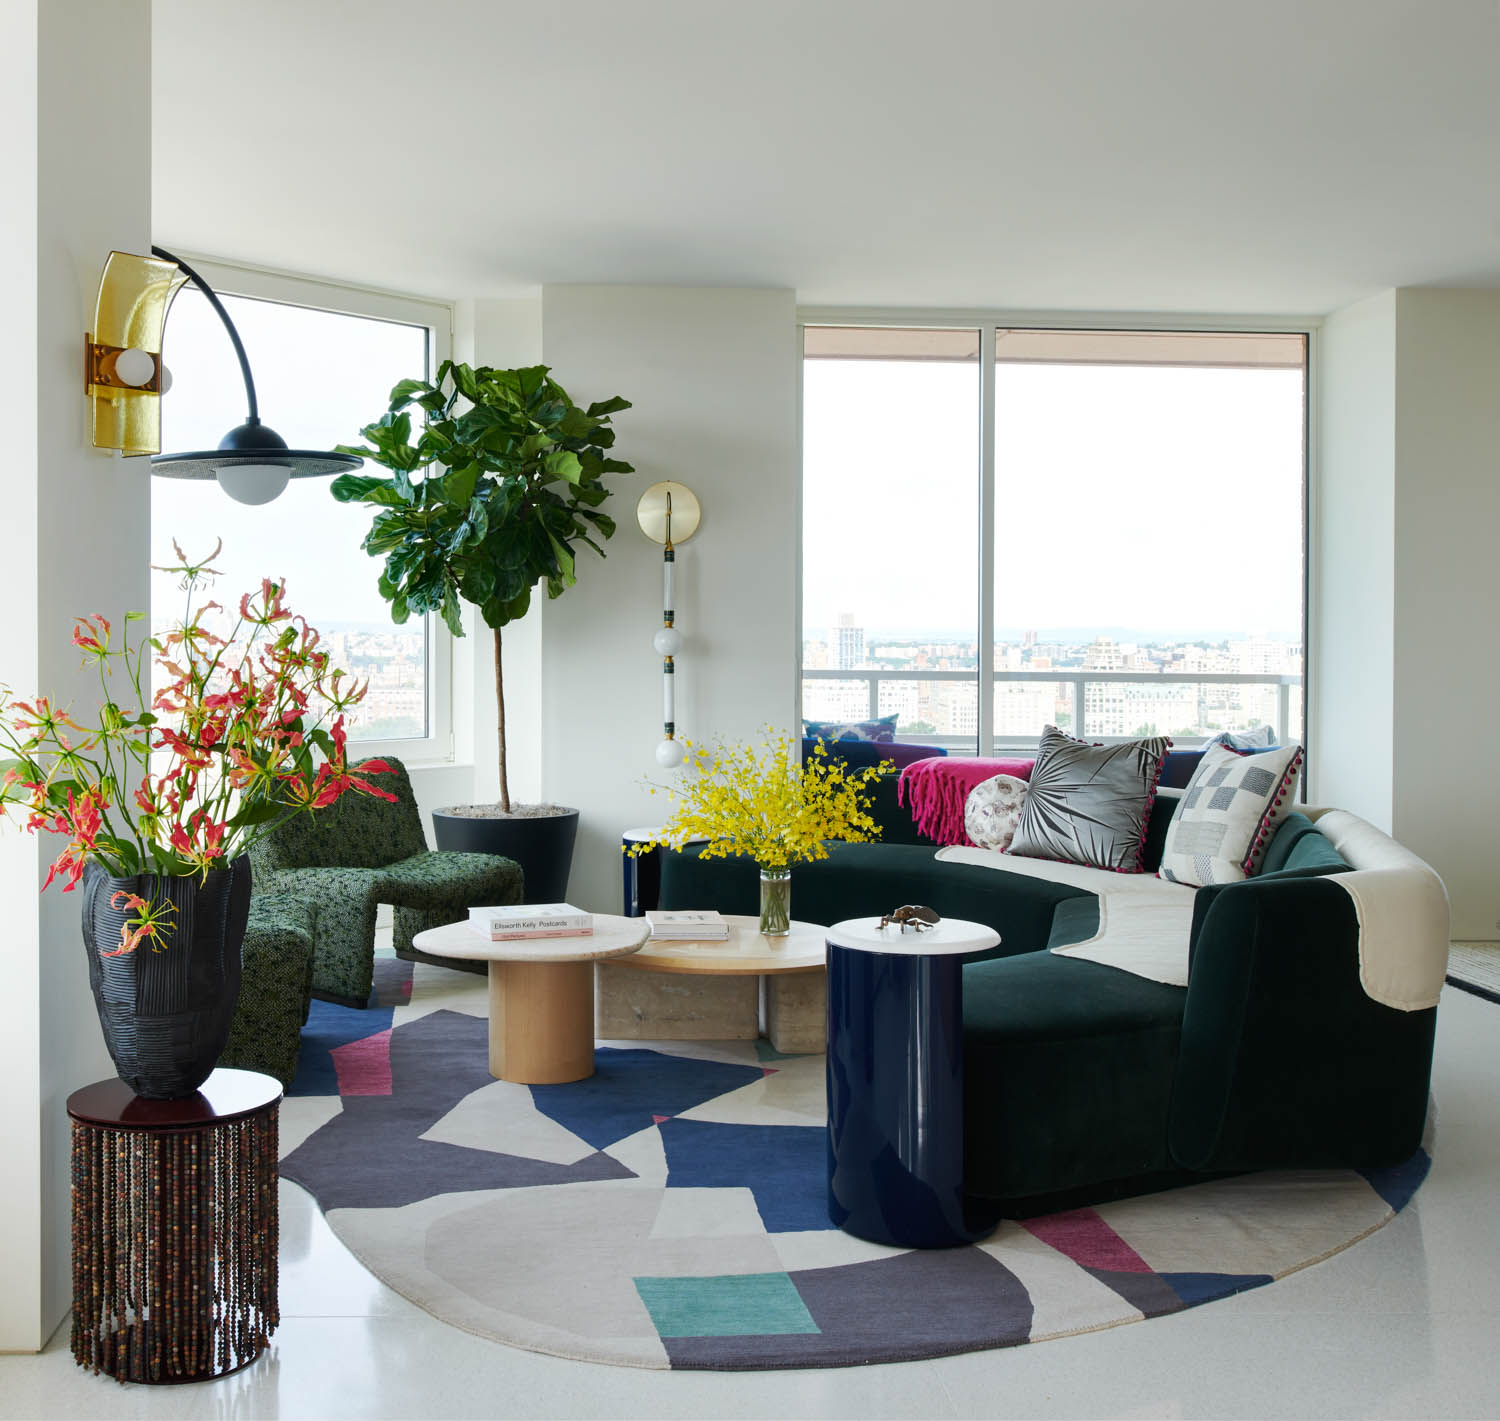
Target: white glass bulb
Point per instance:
(668, 641)
(670, 754)
(166, 379)
(253, 483)
(135, 367)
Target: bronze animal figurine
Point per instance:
(913, 916)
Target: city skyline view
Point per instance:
(1147, 523)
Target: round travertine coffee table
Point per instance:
(644, 996)
(541, 994)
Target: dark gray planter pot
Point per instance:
(543, 846)
(166, 1014)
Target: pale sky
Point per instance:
(320, 377)
(1160, 499)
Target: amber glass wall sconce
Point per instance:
(126, 380)
(123, 372)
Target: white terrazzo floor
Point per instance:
(1406, 1324)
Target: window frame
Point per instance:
(986, 321)
(438, 746)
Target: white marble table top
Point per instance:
(613, 936)
(949, 938)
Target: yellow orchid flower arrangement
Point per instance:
(759, 801)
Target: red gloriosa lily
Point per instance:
(241, 732)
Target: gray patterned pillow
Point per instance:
(1088, 804)
(1231, 808)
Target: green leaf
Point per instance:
(563, 464)
(403, 392)
(366, 488)
(260, 811)
(453, 614)
(458, 484)
(605, 407)
(564, 558)
(468, 386)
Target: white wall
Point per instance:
(1447, 603)
(76, 541)
(1352, 584)
(713, 373)
(1405, 682)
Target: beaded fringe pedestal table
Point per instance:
(174, 1228)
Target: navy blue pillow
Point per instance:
(881, 731)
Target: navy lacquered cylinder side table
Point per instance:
(895, 1083)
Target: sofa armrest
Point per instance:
(1285, 1062)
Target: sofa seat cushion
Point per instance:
(1137, 922)
(451, 881)
(865, 880)
(1068, 1070)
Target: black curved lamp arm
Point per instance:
(234, 335)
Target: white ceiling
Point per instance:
(1256, 156)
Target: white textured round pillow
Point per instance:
(993, 810)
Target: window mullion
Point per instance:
(986, 650)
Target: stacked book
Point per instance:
(523, 920)
(696, 925)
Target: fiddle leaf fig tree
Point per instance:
(509, 481)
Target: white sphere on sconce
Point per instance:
(668, 641)
(135, 367)
(670, 754)
(166, 379)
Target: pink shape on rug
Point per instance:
(364, 1067)
(768, 1071)
(936, 791)
(658, 1119)
(1085, 1238)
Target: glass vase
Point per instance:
(775, 901)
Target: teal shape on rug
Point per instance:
(730, 1305)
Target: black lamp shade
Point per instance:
(252, 443)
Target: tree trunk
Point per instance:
(500, 708)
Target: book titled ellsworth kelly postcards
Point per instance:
(522, 920)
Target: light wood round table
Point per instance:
(725, 1004)
(541, 994)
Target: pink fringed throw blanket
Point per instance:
(936, 791)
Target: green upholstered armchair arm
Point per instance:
(1285, 1062)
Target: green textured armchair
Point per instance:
(361, 852)
(276, 988)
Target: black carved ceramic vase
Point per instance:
(166, 1012)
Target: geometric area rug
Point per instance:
(670, 1211)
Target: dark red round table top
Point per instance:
(225, 1096)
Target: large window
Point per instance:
(1138, 505)
(321, 373)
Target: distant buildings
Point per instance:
(1026, 699)
(851, 643)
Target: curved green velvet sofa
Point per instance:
(1085, 1081)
